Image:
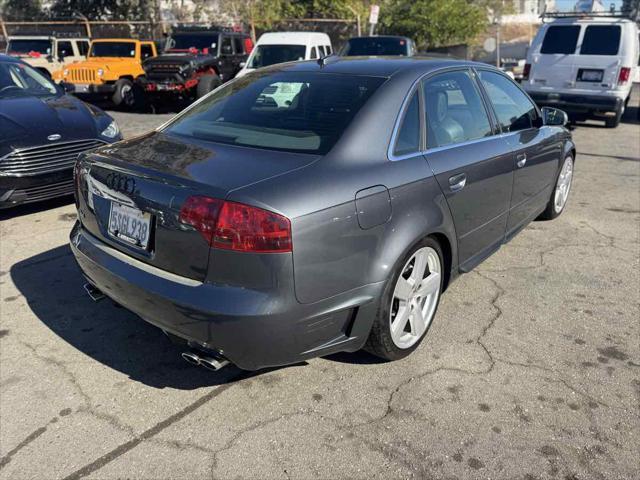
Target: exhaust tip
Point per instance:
(210, 363)
(94, 292)
(192, 358)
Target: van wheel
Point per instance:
(409, 302)
(207, 83)
(613, 122)
(123, 95)
(560, 193)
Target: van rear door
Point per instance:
(553, 66)
(598, 62)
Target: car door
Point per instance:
(472, 163)
(537, 149)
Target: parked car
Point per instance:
(381, 46)
(47, 54)
(584, 65)
(280, 47)
(263, 234)
(42, 131)
(110, 70)
(194, 63)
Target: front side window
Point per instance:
(17, 79)
(83, 47)
(146, 51)
(513, 108)
(65, 49)
(266, 55)
(601, 40)
(295, 112)
(408, 140)
(225, 46)
(113, 49)
(560, 39)
(454, 110)
(237, 44)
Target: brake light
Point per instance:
(624, 75)
(526, 71)
(235, 226)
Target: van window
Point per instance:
(409, 134)
(560, 39)
(321, 50)
(328, 49)
(514, 109)
(601, 40)
(454, 109)
(314, 53)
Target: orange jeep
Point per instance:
(110, 69)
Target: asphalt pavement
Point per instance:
(530, 371)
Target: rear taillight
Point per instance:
(526, 71)
(235, 226)
(624, 75)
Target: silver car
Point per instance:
(316, 207)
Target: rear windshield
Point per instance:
(186, 41)
(266, 55)
(375, 46)
(561, 39)
(25, 46)
(601, 40)
(113, 49)
(296, 112)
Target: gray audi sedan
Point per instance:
(317, 207)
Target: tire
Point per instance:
(554, 209)
(207, 83)
(382, 341)
(613, 122)
(123, 95)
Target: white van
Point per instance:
(585, 65)
(280, 47)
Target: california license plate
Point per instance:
(130, 225)
(591, 75)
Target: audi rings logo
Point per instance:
(121, 183)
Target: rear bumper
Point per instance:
(29, 189)
(167, 85)
(252, 328)
(576, 103)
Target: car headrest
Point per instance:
(438, 104)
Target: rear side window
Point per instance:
(454, 109)
(601, 40)
(295, 112)
(513, 108)
(561, 39)
(237, 43)
(225, 47)
(408, 140)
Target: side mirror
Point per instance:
(554, 117)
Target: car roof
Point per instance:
(582, 20)
(374, 66)
(96, 40)
(397, 37)
(286, 38)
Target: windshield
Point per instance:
(296, 112)
(266, 55)
(113, 49)
(185, 41)
(374, 46)
(560, 40)
(601, 40)
(17, 47)
(19, 79)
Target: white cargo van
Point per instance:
(280, 47)
(584, 64)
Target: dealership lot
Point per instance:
(531, 369)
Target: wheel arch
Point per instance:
(126, 77)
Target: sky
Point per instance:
(569, 4)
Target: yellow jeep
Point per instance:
(110, 69)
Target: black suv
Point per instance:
(194, 62)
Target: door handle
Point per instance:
(457, 182)
(521, 160)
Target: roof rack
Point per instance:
(629, 14)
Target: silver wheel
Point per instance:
(564, 185)
(415, 297)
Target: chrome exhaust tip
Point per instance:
(94, 292)
(210, 363)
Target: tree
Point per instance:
(18, 10)
(259, 13)
(103, 9)
(434, 23)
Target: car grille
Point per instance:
(45, 158)
(170, 68)
(82, 75)
(43, 192)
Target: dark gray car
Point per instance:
(316, 207)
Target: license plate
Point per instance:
(81, 87)
(130, 225)
(161, 86)
(591, 75)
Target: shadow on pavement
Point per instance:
(29, 208)
(52, 285)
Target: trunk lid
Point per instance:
(155, 174)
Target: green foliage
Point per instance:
(102, 9)
(19, 10)
(434, 23)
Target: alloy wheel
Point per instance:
(563, 186)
